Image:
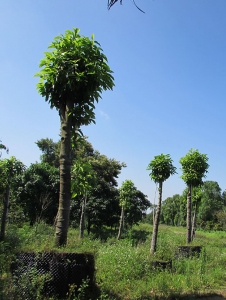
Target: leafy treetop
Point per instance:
(126, 191)
(194, 167)
(161, 168)
(75, 70)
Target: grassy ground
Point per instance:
(124, 269)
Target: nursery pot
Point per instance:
(162, 265)
(189, 251)
(58, 270)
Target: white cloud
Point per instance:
(104, 115)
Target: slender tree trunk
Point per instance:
(189, 210)
(88, 224)
(65, 178)
(121, 223)
(82, 219)
(193, 223)
(5, 212)
(156, 222)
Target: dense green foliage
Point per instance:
(50, 151)
(210, 203)
(194, 167)
(34, 192)
(37, 193)
(161, 168)
(75, 68)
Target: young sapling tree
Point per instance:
(161, 168)
(194, 166)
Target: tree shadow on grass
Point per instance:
(137, 236)
(103, 233)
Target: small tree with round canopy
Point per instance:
(73, 76)
(194, 167)
(161, 168)
(126, 192)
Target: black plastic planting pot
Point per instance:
(59, 270)
(189, 251)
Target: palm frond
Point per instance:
(112, 2)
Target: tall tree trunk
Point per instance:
(5, 212)
(189, 210)
(82, 219)
(194, 223)
(156, 222)
(65, 178)
(121, 223)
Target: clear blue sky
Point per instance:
(170, 81)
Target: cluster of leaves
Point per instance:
(75, 69)
(194, 167)
(161, 168)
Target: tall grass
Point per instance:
(124, 268)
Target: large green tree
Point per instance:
(194, 166)
(161, 168)
(102, 198)
(73, 76)
(9, 169)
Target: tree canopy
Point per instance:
(194, 167)
(161, 168)
(75, 70)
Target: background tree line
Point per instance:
(34, 190)
(209, 206)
